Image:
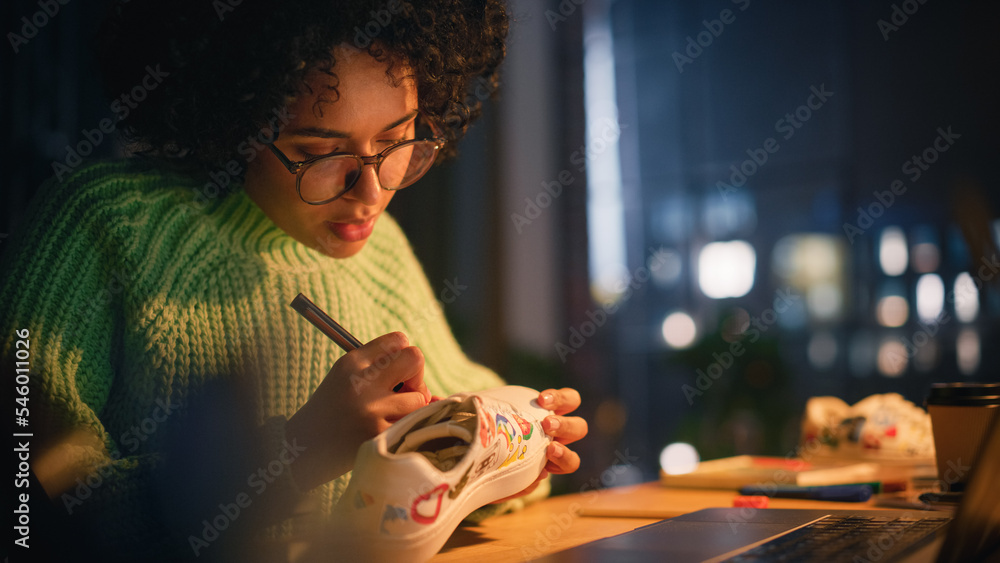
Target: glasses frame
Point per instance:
(297, 167)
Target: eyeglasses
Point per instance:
(323, 179)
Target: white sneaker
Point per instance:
(415, 482)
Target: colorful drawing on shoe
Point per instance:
(419, 512)
(362, 500)
(486, 430)
(457, 489)
(509, 431)
(527, 429)
(515, 455)
(488, 462)
(390, 515)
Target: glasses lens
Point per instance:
(327, 179)
(406, 163)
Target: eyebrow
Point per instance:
(325, 133)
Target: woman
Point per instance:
(146, 284)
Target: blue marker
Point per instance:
(841, 493)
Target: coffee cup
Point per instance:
(961, 416)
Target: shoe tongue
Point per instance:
(449, 429)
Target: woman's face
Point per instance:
(370, 114)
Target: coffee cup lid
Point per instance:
(965, 394)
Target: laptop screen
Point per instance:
(976, 528)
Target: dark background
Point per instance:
(525, 291)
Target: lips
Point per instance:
(351, 231)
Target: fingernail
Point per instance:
(552, 423)
(547, 398)
(558, 449)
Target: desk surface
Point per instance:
(566, 521)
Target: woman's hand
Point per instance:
(563, 430)
(354, 403)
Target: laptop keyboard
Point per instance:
(837, 538)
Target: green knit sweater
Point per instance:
(137, 292)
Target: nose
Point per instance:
(367, 190)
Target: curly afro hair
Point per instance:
(228, 65)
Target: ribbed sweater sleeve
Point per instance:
(139, 294)
(64, 278)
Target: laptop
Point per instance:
(971, 533)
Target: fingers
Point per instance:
(565, 429)
(561, 459)
(367, 361)
(393, 365)
(355, 402)
(395, 406)
(410, 373)
(387, 361)
(383, 348)
(561, 401)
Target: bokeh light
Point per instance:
(726, 269)
(679, 458)
(930, 297)
(966, 298)
(892, 359)
(892, 254)
(892, 311)
(967, 351)
(679, 330)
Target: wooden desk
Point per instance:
(566, 521)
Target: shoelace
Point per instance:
(444, 438)
(446, 458)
